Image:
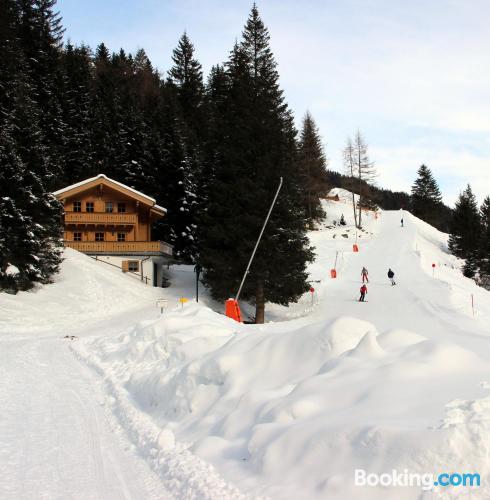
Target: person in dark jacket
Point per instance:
(364, 275)
(363, 293)
(391, 275)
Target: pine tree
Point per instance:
(40, 38)
(313, 165)
(186, 77)
(108, 135)
(30, 226)
(426, 198)
(464, 238)
(258, 148)
(484, 247)
(77, 148)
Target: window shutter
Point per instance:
(125, 266)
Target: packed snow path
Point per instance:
(419, 302)
(57, 440)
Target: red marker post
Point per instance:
(312, 291)
(433, 267)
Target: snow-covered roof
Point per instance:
(151, 200)
(158, 207)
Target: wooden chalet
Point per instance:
(111, 221)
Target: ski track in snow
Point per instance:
(56, 441)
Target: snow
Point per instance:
(203, 407)
(12, 270)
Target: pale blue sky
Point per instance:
(414, 75)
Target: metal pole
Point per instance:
(197, 270)
(258, 241)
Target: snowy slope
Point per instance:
(287, 409)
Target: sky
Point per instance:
(412, 76)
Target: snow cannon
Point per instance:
(333, 273)
(355, 248)
(232, 310)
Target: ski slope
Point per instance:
(203, 407)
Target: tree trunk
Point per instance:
(354, 206)
(360, 198)
(259, 303)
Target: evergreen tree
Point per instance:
(313, 164)
(40, 38)
(426, 197)
(30, 226)
(30, 223)
(464, 238)
(258, 148)
(186, 77)
(484, 250)
(77, 148)
(108, 137)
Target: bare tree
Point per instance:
(350, 169)
(364, 169)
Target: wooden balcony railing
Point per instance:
(121, 247)
(100, 218)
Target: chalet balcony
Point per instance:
(100, 218)
(154, 248)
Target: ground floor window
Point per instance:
(121, 236)
(99, 236)
(133, 266)
(77, 236)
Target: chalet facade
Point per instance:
(112, 222)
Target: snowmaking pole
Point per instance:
(258, 240)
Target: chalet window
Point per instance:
(133, 266)
(121, 236)
(77, 236)
(121, 207)
(89, 206)
(130, 266)
(77, 206)
(99, 236)
(109, 207)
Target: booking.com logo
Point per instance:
(424, 481)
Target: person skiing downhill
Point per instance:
(402, 222)
(391, 275)
(363, 293)
(364, 275)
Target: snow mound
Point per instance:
(84, 289)
(291, 412)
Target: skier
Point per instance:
(391, 275)
(364, 275)
(363, 293)
(402, 222)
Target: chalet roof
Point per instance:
(109, 182)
